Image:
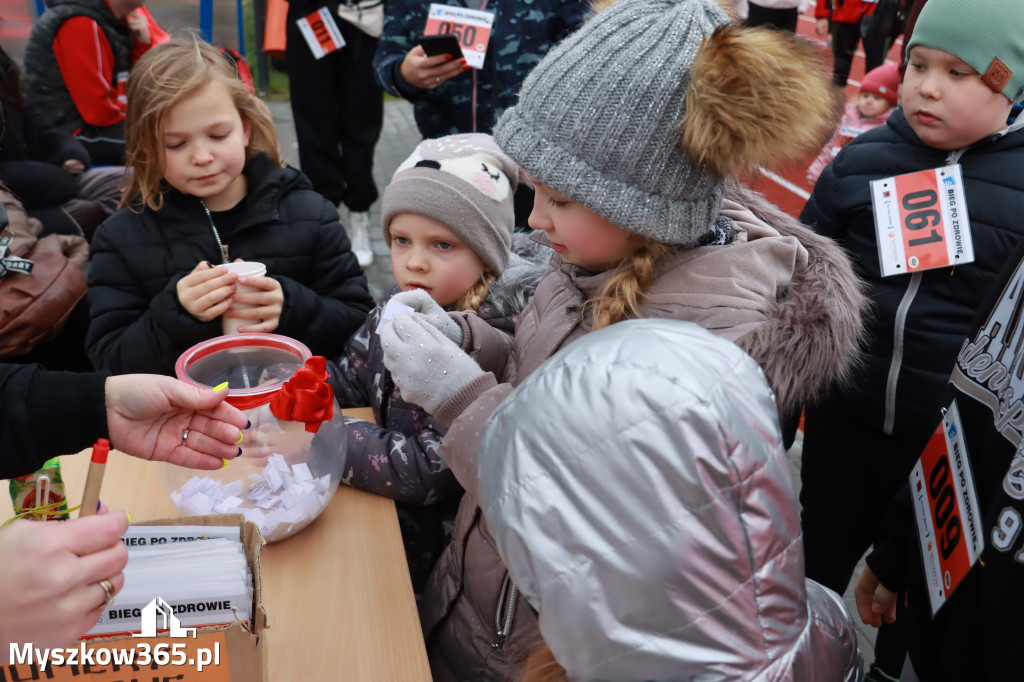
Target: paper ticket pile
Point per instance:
(180, 576)
(281, 500)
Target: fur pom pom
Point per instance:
(756, 97)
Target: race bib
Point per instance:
(321, 33)
(472, 27)
(921, 221)
(946, 510)
(122, 83)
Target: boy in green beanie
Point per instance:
(965, 71)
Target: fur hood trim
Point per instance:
(814, 332)
(527, 263)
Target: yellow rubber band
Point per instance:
(44, 510)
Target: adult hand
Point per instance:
(50, 573)
(821, 27)
(425, 365)
(73, 166)
(266, 302)
(421, 71)
(148, 414)
(421, 302)
(291, 442)
(206, 292)
(137, 24)
(874, 601)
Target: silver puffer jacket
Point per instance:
(638, 491)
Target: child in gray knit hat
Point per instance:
(448, 216)
(633, 130)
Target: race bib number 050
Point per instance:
(921, 221)
(946, 509)
(472, 27)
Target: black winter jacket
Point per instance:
(975, 635)
(137, 324)
(32, 151)
(919, 320)
(45, 414)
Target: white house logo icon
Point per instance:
(169, 620)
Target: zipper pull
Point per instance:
(224, 254)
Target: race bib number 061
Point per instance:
(921, 221)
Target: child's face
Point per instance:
(204, 147)
(869, 104)
(946, 103)
(581, 236)
(426, 255)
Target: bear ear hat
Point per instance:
(756, 97)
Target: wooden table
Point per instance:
(337, 594)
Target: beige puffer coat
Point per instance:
(786, 296)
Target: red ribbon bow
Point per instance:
(306, 397)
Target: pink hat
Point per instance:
(884, 81)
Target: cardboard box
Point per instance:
(240, 652)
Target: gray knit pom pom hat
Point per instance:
(598, 119)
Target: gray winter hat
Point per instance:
(598, 119)
(464, 182)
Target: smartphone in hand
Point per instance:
(441, 44)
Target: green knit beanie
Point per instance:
(987, 34)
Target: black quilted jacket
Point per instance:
(137, 324)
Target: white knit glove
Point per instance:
(427, 367)
(421, 302)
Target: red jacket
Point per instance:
(844, 11)
(87, 63)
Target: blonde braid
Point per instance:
(620, 296)
(474, 298)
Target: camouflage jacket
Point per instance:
(524, 31)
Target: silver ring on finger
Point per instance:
(184, 437)
(437, 78)
(108, 588)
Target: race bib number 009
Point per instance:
(946, 509)
(472, 28)
(921, 221)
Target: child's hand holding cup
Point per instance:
(230, 325)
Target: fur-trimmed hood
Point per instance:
(814, 329)
(785, 295)
(526, 264)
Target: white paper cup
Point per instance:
(230, 325)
